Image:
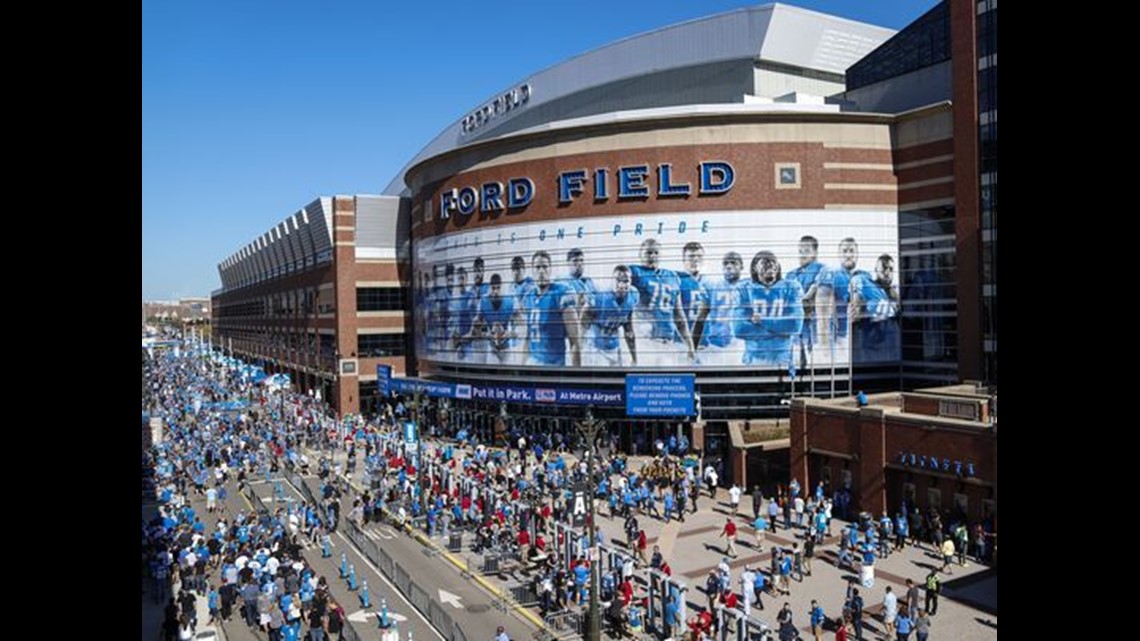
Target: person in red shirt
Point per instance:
(701, 624)
(540, 542)
(642, 544)
(626, 592)
(841, 629)
(665, 569)
(728, 598)
(523, 540)
(729, 532)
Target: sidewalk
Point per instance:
(697, 548)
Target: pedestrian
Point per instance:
(760, 524)
(911, 596)
(840, 629)
(729, 532)
(961, 541)
(734, 498)
(787, 629)
(890, 611)
(921, 625)
(757, 501)
(856, 613)
(773, 512)
(817, 618)
(711, 480)
(798, 562)
(947, 555)
(933, 587)
(903, 625)
(809, 552)
(786, 574)
(758, 582)
(712, 589)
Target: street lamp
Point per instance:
(589, 428)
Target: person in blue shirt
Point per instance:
(659, 313)
(609, 313)
(875, 308)
(461, 308)
(577, 281)
(437, 320)
(808, 276)
(770, 314)
(835, 291)
(694, 291)
(551, 319)
(817, 619)
(496, 322)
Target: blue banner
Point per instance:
(510, 394)
(659, 394)
(430, 388)
(383, 378)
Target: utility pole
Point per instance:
(589, 428)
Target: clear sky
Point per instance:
(250, 110)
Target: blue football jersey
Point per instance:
(724, 298)
(876, 333)
(693, 295)
(876, 303)
(780, 312)
(609, 314)
(657, 290)
(839, 280)
(545, 329)
(495, 318)
(583, 286)
(519, 291)
(460, 312)
(437, 322)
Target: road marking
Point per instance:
(450, 599)
(362, 616)
(377, 535)
(393, 588)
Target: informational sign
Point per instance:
(552, 395)
(383, 379)
(659, 394)
(578, 513)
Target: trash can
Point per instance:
(455, 542)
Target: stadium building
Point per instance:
(781, 202)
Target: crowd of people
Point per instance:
(518, 503)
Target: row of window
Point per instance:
(377, 345)
(925, 42)
(381, 299)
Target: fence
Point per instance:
(420, 598)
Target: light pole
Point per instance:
(417, 399)
(589, 428)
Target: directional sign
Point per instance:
(450, 599)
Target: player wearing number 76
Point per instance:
(770, 315)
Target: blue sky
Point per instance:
(251, 110)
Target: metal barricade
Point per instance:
(563, 625)
(525, 594)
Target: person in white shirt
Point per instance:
(734, 498)
(747, 582)
(890, 611)
(710, 478)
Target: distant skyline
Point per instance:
(252, 110)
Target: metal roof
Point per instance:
(774, 33)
